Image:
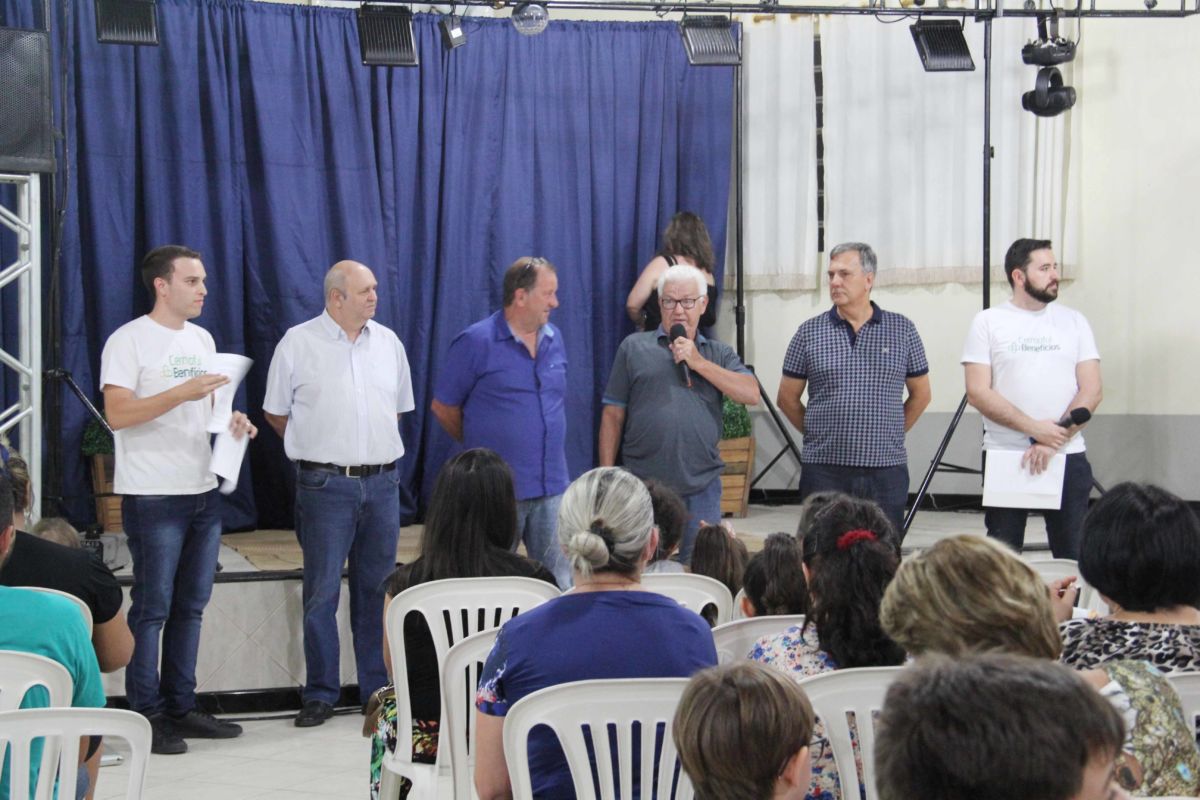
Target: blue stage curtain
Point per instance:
(255, 135)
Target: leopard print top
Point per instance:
(1091, 642)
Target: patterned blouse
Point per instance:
(1091, 643)
(797, 652)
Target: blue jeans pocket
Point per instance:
(312, 479)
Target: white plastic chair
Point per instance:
(602, 712)
(60, 730)
(858, 692)
(1054, 568)
(454, 609)
(693, 592)
(20, 672)
(737, 605)
(1187, 686)
(459, 677)
(734, 639)
(82, 606)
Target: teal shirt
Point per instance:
(50, 626)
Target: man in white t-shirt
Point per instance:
(1028, 364)
(335, 391)
(158, 398)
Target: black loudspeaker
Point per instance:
(26, 130)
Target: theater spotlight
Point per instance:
(126, 22)
(1049, 49)
(1049, 97)
(709, 41)
(385, 36)
(530, 19)
(453, 34)
(941, 45)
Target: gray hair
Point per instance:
(866, 256)
(605, 521)
(335, 278)
(682, 273)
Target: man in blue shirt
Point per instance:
(503, 387)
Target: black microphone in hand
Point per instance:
(685, 374)
(1077, 416)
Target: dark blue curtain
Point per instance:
(255, 135)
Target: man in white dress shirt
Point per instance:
(335, 390)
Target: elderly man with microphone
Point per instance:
(662, 405)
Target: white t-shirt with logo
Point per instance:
(1033, 355)
(171, 453)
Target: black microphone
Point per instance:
(685, 374)
(1077, 416)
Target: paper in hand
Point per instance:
(1007, 484)
(226, 463)
(235, 367)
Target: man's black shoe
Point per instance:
(164, 741)
(313, 714)
(197, 724)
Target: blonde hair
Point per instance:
(57, 530)
(605, 522)
(969, 594)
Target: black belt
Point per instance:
(358, 471)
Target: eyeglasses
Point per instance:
(689, 303)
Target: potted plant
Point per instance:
(98, 446)
(737, 451)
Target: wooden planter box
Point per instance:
(738, 455)
(108, 509)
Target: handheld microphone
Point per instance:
(685, 374)
(1077, 416)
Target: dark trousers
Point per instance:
(887, 486)
(1064, 528)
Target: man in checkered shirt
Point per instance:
(857, 361)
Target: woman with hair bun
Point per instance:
(606, 627)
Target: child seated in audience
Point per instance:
(774, 582)
(57, 530)
(996, 727)
(719, 554)
(743, 733)
(670, 514)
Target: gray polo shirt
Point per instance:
(671, 431)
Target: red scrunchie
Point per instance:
(850, 537)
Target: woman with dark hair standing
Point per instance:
(470, 528)
(685, 241)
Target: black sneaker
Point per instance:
(196, 724)
(164, 741)
(314, 713)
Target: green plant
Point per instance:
(96, 440)
(735, 420)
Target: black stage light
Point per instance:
(127, 22)
(385, 36)
(1049, 49)
(709, 41)
(942, 46)
(1049, 97)
(453, 34)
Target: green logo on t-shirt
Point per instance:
(183, 367)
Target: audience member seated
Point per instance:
(720, 555)
(995, 727)
(970, 594)
(670, 515)
(606, 627)
(49, 626)
(470, 530)
(1141, 551)
(850, 554)
(774, 582)
(57, 530)
(742, 731)
(78, 572)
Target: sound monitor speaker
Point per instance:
(26, 131)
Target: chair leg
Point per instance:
(389, 785)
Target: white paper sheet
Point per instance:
(226, 463)
(235, 367)
(1006, 484)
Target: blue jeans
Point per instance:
(537, 526)
(886, 486)
(1064, 528)
(174, 541)
(339, 518)
(702, 506)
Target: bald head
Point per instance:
(335, 278)
(350, 295)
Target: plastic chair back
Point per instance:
(604, 714)
(1054, 568)
(734, 639)
(693, 592)
(1187, 686)
(460, 677)
(454, 609)
(20, 672)
(858, 693)
(82, 606)
(60, 730)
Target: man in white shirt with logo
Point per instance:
(157, 398)
(336, 388)
(1028, 364)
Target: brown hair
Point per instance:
(686, 235)
(160, 263)
(17, 470)
(736, 728)
(523, 274)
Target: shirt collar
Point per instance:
(504, 331)
(334, 331)
(876, 315)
